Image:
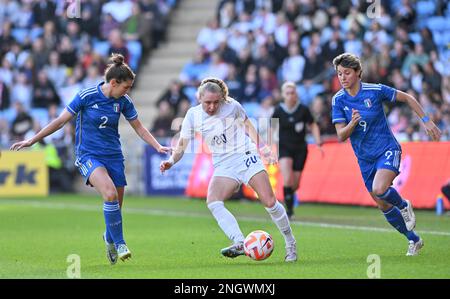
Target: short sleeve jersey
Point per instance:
(97, 123)
(224, 132)
(372, 137)
(292, 124)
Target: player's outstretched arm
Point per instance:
(431, 129)
(177, 154)
(148, 137)
(49, 129)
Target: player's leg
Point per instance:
(394, 217)
(286, 168)
(296, 175)
(260, 183)
(382, 205)
(446, 190)
(387, 168)
(116, 170)
(375, 183)
(383, 190)
(100, 179)
(298, 165)
(111, 252)
(295, 184)
(220, 189)
(120, 194)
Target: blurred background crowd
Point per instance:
(51, 49)
(254, 45)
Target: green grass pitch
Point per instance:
(178, 238)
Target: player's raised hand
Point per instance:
(19, 145)
(356, 117)
(432, 130)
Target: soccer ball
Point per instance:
(258, 245)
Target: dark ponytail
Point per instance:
(118, 69)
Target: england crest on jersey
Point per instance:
(116, 107)
(367, 103)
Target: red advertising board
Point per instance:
(335, 176)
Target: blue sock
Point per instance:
(394, 217)
(113, 221)
(391, 196)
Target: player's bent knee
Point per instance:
(110, 195)
(379, 190)
(269, 201)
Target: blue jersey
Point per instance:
(97, 127)
(372, 137)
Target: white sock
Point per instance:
(226, 221)
(279, 216)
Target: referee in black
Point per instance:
(294, 119)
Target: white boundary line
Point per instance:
(158, 212)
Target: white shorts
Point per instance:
(240, 168)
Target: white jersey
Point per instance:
(224, 132)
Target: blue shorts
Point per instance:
(390, 160)
(115, 168)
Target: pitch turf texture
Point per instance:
(178, 238)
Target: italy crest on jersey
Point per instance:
(116, 107)
(367, 103)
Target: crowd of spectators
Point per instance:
(50, 49)
(256, 45)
